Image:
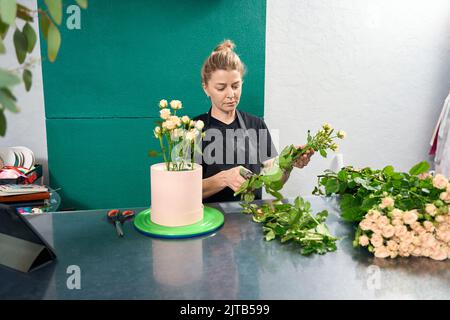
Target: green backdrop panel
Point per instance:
(101, 164)
(104, 87)
(130, 54)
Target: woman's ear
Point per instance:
(205, 89)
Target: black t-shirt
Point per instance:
(250, 152)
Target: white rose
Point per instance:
(176, 104)
(190, 136)
(199, 125)
(440, 182)
(169, 125)
(157, 132)
(326, 126)
(163, 103)
(175, 120)
(185, 119)
(164, 113)
(341, 134)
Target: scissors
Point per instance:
(118, 217)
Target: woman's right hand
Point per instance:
(233, 178)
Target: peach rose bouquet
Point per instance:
(398, 214)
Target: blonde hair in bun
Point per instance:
(222, 58)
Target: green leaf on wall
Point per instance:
(55, 9)
(54, 42)
(30, 34)
(8, 10)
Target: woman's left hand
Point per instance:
(304, 159)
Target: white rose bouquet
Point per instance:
(178, 137)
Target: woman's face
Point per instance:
(224, 88)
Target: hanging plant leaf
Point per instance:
(54, 42)
(82, 3)
(30, 34)
(8, 10)
(8, 79)
(55, 9)
(21, 45)
(2, 123)
(27, 79)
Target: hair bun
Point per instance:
(226, 45)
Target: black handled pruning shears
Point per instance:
(118, 217)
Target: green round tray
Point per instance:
(212, 220)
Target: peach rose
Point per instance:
(382, 252)
(376, 240)
(400, 231)
(417, 252)
(431, 209)
(410, 217)
(397, 213)
(424, 175)
(439, 181)
(365, 225)
(428, 225)
(382, 221)
(375, 214)
(388, 231)
(392, 245)
(438, 253)
(397, 222)
(363, 240)
(440, 218)
(387, 202)
(199, 125)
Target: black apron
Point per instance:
(235, 149)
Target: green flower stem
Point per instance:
(163, 151)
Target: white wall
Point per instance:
(27, 128)
(379, 70)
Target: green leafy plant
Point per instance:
(361, 189)
(272, 180)
(294, 223)
(291, 222)
(50, 17)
